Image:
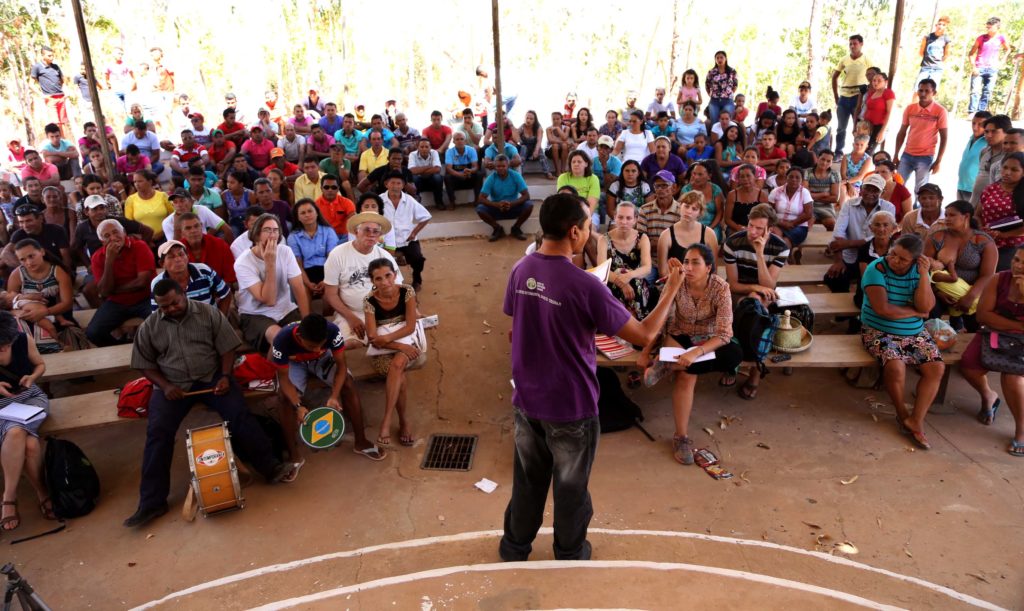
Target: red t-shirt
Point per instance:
(217, 254)
(337, 213)
(237, 127)
(47, 172)
(135, 257)
(290, 169)
(763, 106)
(259, 154)
(775, 153)
(218, 154)
(436, 136)
(875, 106)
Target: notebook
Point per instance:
(790, 296)
(20, 413)
(669, 354)
(612, 347)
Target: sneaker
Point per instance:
(682, 450)
(497, 234)
(654, 373)
(517, 233)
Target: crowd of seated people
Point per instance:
(258, 220)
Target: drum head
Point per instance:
(322, 428)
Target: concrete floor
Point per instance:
(951, 516)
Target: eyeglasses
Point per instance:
(270, 230)
(370, 232)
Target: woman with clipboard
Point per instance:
(20, 367)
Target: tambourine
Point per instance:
(322, 428)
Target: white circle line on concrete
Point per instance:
(483, 534)
(539, 565)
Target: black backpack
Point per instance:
(754, 328)
(72, 480)
(616, 411)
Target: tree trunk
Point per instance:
(499, 109)
(814, 43)
(24, 91)
(675, 41)
(897, 31)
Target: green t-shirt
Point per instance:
(586, 186)
(328, 167)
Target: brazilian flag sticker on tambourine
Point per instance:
(322, 428)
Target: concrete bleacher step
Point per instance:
(463, 221)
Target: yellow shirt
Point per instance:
(369, 162)
(150, 212)
(304, 187)
(854, 74)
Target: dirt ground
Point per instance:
(665, 535)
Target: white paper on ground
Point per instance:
(670, 354)
(790, 296)
(486, 485)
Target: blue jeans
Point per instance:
(934, 73)
(844, 110)
(981, 89)
(918, 165)
(564, 452)
(717, 105)
(432, 183)
(110, 316)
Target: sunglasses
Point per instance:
(329, 187)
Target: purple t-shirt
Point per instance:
(650, 166)
(556, 309)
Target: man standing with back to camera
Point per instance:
(556, 309)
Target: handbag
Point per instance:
(1003, 352)
(417, 338)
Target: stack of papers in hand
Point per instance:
(790, 296)
(1007, 224)
(601, 271)
(21, 413)
(670, 354)
(613, 347)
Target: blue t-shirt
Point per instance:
(510, 151)
(330, 128)
(452, 156)
(287, 348)
(385, 132)
(614, 166)
(686, 133)
(556, 309)
(900, 290)
(506, 189)
(968, 170)
(203, 285)
(695, 155)
(667, 132)
(63, 146)
(351, 143)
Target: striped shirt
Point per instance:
(738, 251)
(186, 350)
(899, 292)
(204, 285)
(652, 221)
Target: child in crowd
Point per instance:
(765, 123)
(7, 202)
(771, 103)
(778, 179)
(700, 150)
(558, 143)
(741, 112)
(751, 157)
(662, 127)
(690, 89)
(788, 131)
(862, 128)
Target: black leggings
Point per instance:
(414, 257)
(727, 358)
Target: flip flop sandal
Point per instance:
(748, 391)
(384, 441)
(1016, 448)
(15, 518)
(373, 453)
(407, 440)
(46, 508)
(294, 473)
(727, 380)
(920, 440)
(987, 415)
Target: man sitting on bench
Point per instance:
(189, 347)
(123, 269)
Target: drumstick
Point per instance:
(197, 392)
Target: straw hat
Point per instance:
(369, 217)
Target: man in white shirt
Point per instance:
(589, 146)
(294, 145)
(346, 272)
(242, 243)
(425, 165)
(408, 218)
(182, 201)
(852, 231)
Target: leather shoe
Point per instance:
(144, 516)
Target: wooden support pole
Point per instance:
(94, 92)
(499, 107)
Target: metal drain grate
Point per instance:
(449, 453)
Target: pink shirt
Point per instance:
(989, 48)
(259, 154)
(324, 146)
(48, 172)
(126, 167)
(925, 123)
(789, 208)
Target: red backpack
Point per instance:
(252, 366)
(133, 399)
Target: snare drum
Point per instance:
(214, 474)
